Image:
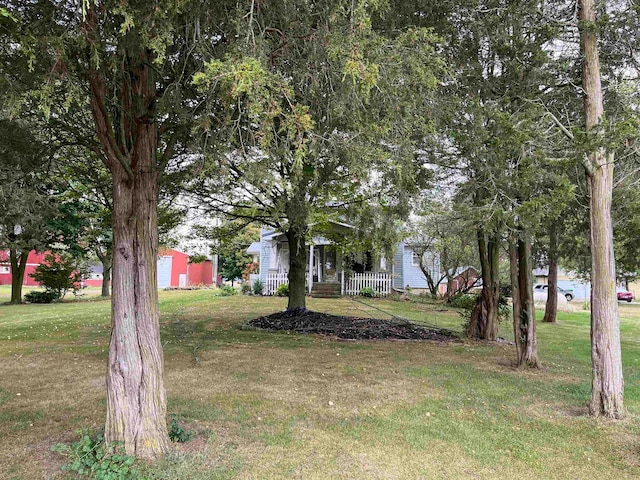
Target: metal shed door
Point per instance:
(164, 271)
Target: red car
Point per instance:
(626, 296)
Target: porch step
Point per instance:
(326, 290)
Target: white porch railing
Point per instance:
(380, 282)
(274, 280)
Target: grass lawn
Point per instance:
(278, 405)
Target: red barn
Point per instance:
(33, 261)
(174, 270)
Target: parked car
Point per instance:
(568, 294)
(625, 296)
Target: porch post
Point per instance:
(310, 268)
(341, 272)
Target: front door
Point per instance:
(330, 270)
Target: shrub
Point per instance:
(367, 292)
(258, 287)
(90, 458)
(60, 273)
(227, 291)
(245, 288)
(282, 290)
(466, 302)
(35, 296)
(177, 432)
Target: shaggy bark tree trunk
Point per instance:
(136, 405)
(607, 390)
(18, 267)
(484, 316)
(551, 308)
(529, 356)
(515, 297)
(128, 133)
(524, 327)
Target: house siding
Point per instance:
(265, 259)
(398, 267)
(412, 274)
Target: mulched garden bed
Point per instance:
(350, 328)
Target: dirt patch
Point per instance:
(350, 328)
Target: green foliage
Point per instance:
(177, 433)
(367, 292)
(59, 273)
(90, 458)
(310, 125)
(35, 296)
(198, 258)
(282, 290)
(27, 203)
(258, 287)
(233, 265)
(245, 288)
(227, 291)
(465, 302)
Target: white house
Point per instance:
(327, 263)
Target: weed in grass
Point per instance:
(90, 458)
(177, 433)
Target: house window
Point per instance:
(415, 259)
(5, 269)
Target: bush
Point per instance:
(90, 458)
(177, 432)
(466, 302)
(282, 290)
(367, 292)
(47, 296)
(227, 291)
(258, 287)
(245, 288)
(59, 273)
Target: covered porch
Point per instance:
(327, 269)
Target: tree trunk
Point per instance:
(524, 327)
(515, 297)
(136, 405)
(607, 391)
(484, 316)
(297, 268)
(551, 308)
(18, 267)
(297, 211)
(431, 285)
(106, 275)
(528, 313)
(450, 290)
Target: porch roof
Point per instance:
(315, 240)
(254, 248)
